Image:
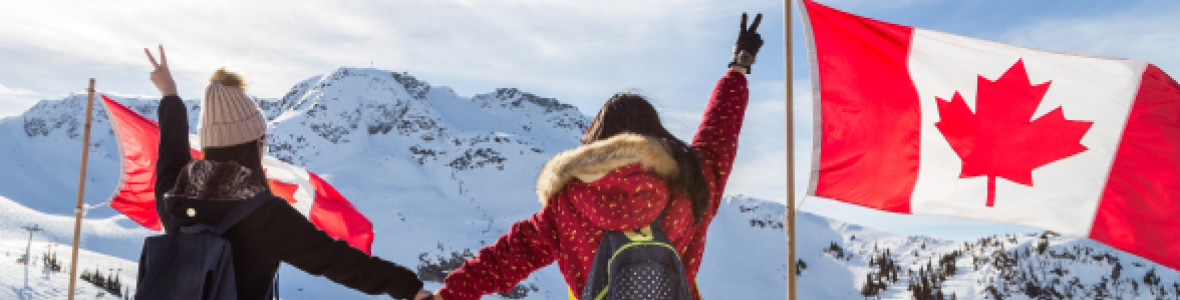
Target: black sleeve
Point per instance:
(296, 241)
(173, 152)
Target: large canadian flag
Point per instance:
(922, 122)
(139, 138)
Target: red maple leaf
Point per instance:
(1000, 139)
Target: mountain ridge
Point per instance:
(436, 173)
(441, 175)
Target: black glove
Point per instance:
(747, 45)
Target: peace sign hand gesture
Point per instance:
(747, 45)
(160, 76)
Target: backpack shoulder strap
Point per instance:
(240, 212)
(644, 234)
(659, 219)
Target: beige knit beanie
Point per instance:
(228, 117)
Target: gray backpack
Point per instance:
(193, 263)
(637, 265)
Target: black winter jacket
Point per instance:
(273, 233)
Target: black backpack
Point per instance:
(193, 263)
(635, 265)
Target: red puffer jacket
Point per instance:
(613, 184)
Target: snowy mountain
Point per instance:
(438, 174)
(847, 261)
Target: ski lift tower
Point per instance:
(28, 256)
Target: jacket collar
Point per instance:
(591, 162)
(219, 181)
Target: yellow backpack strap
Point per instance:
(642, 235)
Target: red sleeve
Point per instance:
(527, 247)
(717, 138)
(625, 199)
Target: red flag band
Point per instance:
(138, 138)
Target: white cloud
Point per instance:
(577, 51)
(13, 101)
(1145, 32)
(7, 91)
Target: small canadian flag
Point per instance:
(138, 139)
(921, 122)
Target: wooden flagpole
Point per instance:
(789, 216)
(79, 209)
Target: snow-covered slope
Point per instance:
(846, 261)
(438, 174)
(37, 281)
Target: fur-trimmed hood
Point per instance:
(591, 162)
(218, 181)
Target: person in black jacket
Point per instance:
(190, 191)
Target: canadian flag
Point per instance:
(921, 122)
(139, 138)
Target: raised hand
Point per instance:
(747, 45)
(161, 76)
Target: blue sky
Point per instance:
(580, 52)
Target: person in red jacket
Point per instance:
(628, 170)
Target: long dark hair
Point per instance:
(245, 154)
(628, 112)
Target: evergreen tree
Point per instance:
(98, 279)
(868, 289)
(1116, 271)
(1042, 246)
(1150, 278)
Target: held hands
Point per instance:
(160, 76)
(427, 295)
(747, 45)
(424, 295)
